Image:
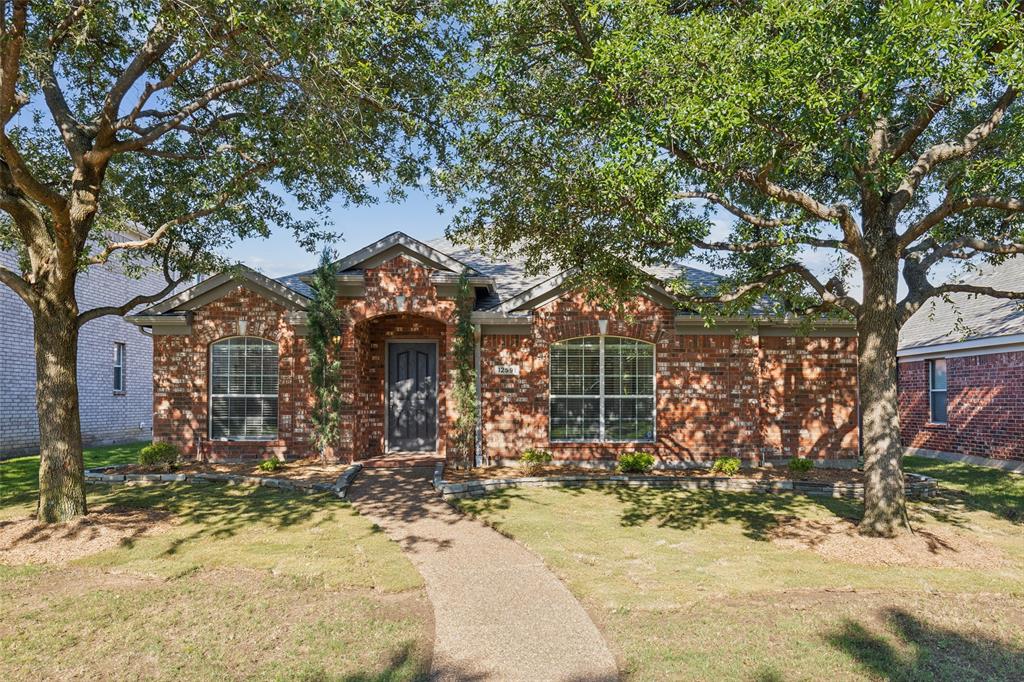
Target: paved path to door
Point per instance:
(499, 613)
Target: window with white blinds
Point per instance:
(243, 389)
(602, 389)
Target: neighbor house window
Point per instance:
(119, 356)
(602, 389)
(243, 395)
(937, 393)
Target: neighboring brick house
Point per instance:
(116, 405)
(556, 371)
(961, 372)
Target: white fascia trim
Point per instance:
(958, 349)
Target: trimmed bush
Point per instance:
(727, 466)
(159, 455)
(800, 467)
(636, 462)
(272, 464)
(535, 459)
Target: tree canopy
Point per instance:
(604, 134)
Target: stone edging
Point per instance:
(917, 486)
(339, 488)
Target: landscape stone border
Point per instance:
(339, 488)
(917, 486)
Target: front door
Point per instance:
(412, 396)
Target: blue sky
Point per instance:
(358, 226)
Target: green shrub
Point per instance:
(535, 459)
(162, 455)
(272, 464)
(800, 466)
(636, 462)
(727, 466)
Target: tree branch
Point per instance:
(153, 133)
(951, 206)
(756, 220)
(18, 285)
(918, 126)
(141, 299)
(947, 151)
(913, 302)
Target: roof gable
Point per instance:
(401, 244)
(223, 283)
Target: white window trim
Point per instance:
(930, 364)
(211, 395)
(601, 394)
(120, 367)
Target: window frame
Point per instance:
(120, 367)
(211, 395)
(601, 395)
(930, 369)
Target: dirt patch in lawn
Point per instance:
(311, 470)
(758, 474)
(932, 547)
(25, 541)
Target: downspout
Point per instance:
(479, 440)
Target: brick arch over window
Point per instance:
(244, 388)
(602, 389)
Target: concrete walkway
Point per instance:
(499, 613)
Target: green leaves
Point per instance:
(324, 343)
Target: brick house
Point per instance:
(961, 372)
(115, 371)
(556, 371)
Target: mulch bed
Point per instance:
(26, 541)
(309, 470)
(759, 474)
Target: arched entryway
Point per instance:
(401, 361)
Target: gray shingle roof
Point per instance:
(510, 274)
(968, 317)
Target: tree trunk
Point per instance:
(61, 469)
(877, 340)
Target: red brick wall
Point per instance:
(986, 406)
(716, 394)
(371, 321)
(181, 378)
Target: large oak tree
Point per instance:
(188, 122)
(602, 133)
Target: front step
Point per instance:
(400, 461)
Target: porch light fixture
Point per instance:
(602, 327)
(400, 303)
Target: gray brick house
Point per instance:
(116, 406)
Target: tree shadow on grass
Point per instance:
(219, 511)
(935, 653)
(757, 513)
(965, 487)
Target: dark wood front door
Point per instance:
(412, 396)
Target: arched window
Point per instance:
(602, 389)
(243, 389)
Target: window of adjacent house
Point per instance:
(243, 383)
(602, 389)
(119, 368)
(937, 393)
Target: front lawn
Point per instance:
(702, 585)
(233, 583)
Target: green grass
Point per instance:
(687, 585)
(247, 583)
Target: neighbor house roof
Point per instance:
(969, 321)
